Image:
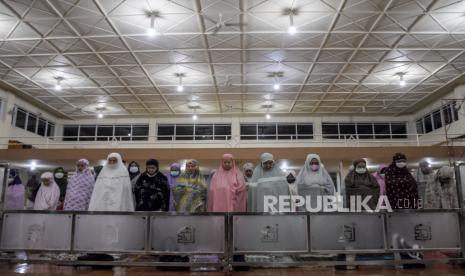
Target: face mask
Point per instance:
(401, 165)
(59, 175)
(382, 175)
(361, 170)
(10, 179)
(174, 173)
(290, 179)
(315, 167)
(133, 169)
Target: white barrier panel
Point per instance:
(29, 231)
(270, 233)
(110, 233)
(187, 234)
(435, 230)
(339, 232)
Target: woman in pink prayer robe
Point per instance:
(227, 190)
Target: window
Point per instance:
(249, 132)
(20, 118)
(50, 129)
(447, 114)
(347, 131)
(140, 133)
(31, 123)
(70, 133)
(287, 131)
(184, 132)
(266, 132)
(428, 124)
(399, 130)
(165, 132)
(304, 131)
(123, 133)
(439, 118)
(194, 132)
(437, 122)
(104, 132)
(222, 132)
(276, 131)
(382, 131)
(41, 127)
(420, 129)
(365, 131)
(330, 130)
(87, 133)
(203, 132)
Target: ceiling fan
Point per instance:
(221, 24)
(229, 108)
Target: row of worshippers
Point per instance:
(117, 188)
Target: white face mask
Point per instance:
(401, 165)
(361, 170)
(59, 175)
(10, 179)
(133, 169)
(382, 175)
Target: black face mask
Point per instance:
(290, 179)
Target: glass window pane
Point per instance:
(286, 131)
(20, 118)
(266, 132)
(70, 133)
(203, 132)
(50, 129)
(184, 132)
(428, 124)
(104, 132)
(399, 130)
(165, 132)
(437, 123)
(87, 133)
(140, 132)
(330, 130)
(420, 129)
(455, 110)
(347, 131)
(41, 127)
(222, 132)
(305, 131)
(382, 131)
(249, 132)
(31, 123)
(123, 133)
(365, 131)
(447, 114)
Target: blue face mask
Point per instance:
(174, 173)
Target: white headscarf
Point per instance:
(259, 172)
(47, 196)
(315, 179)
(112, 191)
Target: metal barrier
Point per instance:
(228, 234)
